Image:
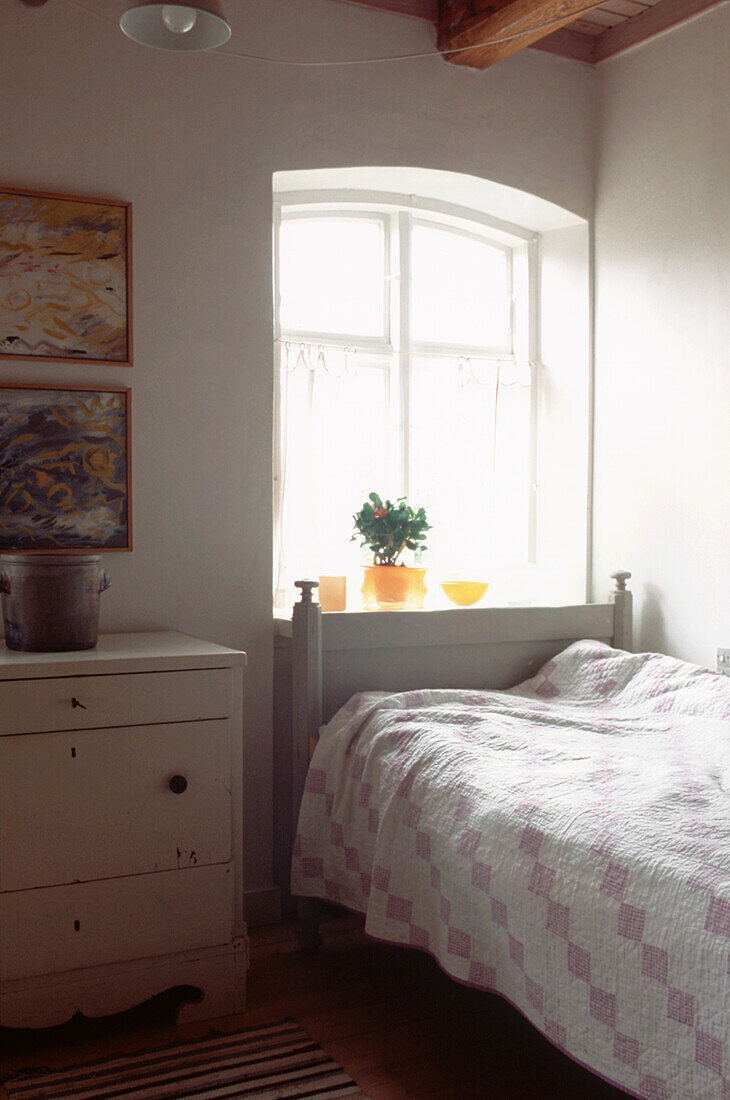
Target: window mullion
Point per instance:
(405, 352)
(392, 290)
(336, 340)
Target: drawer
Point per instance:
(96, 804)
(89, 702)
(68, 927)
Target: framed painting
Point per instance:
(65, 278)
(65, 468)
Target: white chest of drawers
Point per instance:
(120, 828)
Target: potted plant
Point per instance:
(387, 529)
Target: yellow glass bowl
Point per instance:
(464, 593)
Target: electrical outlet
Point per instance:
(723, 661)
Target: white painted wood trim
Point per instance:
(141, 827)
(56, 703)
(56, 929)
(152, 651)
(508, 232)
(218, 972)
(237, 767)
(623, 612)
(527, 337)
(306, 685)
(353, 630)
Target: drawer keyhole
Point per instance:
(178, 784)
(77, 925)
(76, 703)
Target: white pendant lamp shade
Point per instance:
(198, 26)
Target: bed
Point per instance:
(563, 842)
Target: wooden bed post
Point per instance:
(622, 611)
(306, 720)
(306, 686)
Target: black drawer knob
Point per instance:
(178, 784)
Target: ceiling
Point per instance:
(485, 31)
(479, 33)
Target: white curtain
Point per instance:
(332, 448)
(337, 440)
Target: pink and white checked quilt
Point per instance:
(565, 844)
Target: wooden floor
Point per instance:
(389, 1016)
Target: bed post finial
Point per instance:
(623, 602)
(307, 588)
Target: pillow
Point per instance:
(593, 672)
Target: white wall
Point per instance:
(192, 142)
(662, 248)
(563, 414)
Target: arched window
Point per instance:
(407, 342)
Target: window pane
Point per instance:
(460, 292)
(474, 486)
(338, 439)
(332, 276)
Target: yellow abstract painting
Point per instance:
(65, 278)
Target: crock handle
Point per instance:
(5, 584)
(105, 581)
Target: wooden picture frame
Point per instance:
(65, 468)
(65, 278)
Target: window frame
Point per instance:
(399, 213)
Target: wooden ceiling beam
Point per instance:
(564, 43)
(660, 17)
(502, 29)
(471, 23)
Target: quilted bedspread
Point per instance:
(565, 844)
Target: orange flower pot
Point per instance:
(393, 587)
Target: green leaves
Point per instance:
(387, 529)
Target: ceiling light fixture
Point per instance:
(201, 26)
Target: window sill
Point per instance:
(510, 588)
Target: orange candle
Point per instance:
(333, 593)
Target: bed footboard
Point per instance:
(337, 655)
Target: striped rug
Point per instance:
(278, 1062)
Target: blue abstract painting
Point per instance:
(64, 469)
